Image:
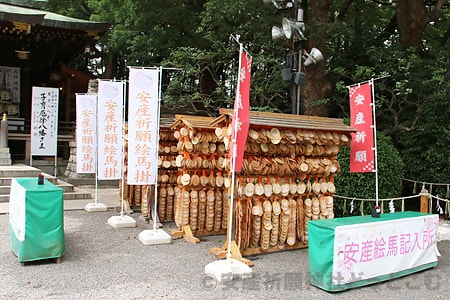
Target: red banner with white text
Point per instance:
(362, 144)
(241, 114)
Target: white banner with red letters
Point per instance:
(110, 129)
(86, 133)
(44, 121)
(143, 123)
(361, 118)
(367, 250)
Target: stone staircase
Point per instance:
(70, 192)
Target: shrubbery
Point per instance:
(362, 185)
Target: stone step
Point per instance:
(6, 181)
(66, 196)
(69, 192)
(15, 171)
(77, 196)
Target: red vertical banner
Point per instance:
(241, 113)
(362, 144)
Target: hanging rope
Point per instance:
(438, 207)
(426, 183)
(391, 203)
(402, 199)
(374, 200)
(391, 206)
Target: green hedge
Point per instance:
(362, 185)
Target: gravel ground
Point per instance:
(102, 262)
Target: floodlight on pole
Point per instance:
(290, 26)
(313, 57)
(277, 33)
(279, 3)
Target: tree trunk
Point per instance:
(411, 21)
(110, 66)
(317, 85)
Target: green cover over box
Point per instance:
(408, 244)
(36, 220)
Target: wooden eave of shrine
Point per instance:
(193, 122)
(266, 119)
(19, 17)
(43, 37)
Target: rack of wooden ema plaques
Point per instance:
(201, 200)
(141, 196)
(287, 179)
(167, 172)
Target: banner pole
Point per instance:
(95, 206)
(232, 267)
(233, 158)
(155, 218)
(368, 81)
(374, 141)
(122, 209)
(96, 150)
(122, 220)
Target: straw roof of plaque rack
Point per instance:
(166, 122)
(267, 119)
(193, 122)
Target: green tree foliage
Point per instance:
(209, 75)
(412, 101)
(404, 43)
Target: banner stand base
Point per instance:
(154, 237)
(122, 221)
(95, 207)
(228, 269)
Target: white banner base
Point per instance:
(122, 222)
(95, 207)
(154, 237)
(228, 269)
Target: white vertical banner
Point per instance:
(44, 121)
(110, 129)
(143, 123)
(86, 133)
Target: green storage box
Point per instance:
(36, 220)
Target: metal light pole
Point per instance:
(293, 29)
(296, 67)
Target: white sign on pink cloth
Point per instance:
(44, 121)
(241, 113)
(86, 133)
(362, 144)
(143, 123)
(368, 250)
(110, 129)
